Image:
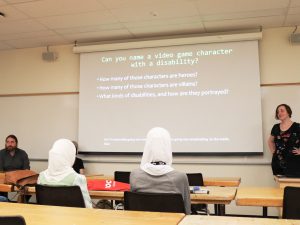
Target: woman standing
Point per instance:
(284, 141)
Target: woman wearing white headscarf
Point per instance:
(156, 173)
(60, 171)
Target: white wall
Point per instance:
(24, 71)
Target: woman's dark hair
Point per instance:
(287, 108)
(13, 137)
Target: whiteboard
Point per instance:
(38, 121)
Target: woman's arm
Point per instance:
(271, 144)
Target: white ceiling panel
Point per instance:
(44, 33)
(4, 46)
(155, 12)
(295, 3)
(228, 6)
(165, 22)
(77, 20)
(245, 15)
(2, 3)
(273, 21)
(121, 4)
(35, 22)
(62, 7)
(11, 14)
(292, 20)
(37, 42)
(74, 30)
(21, 26)
(99, 36)
(168, 30)
(293, 11)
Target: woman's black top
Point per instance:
(78, 164)
(285, 143)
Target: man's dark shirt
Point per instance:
(19, 161)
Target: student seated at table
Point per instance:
(60, 171)
(156, 173)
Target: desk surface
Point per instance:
(49, 215)
(208, 181)
(221, 220)
(287, 181)
(259, 196)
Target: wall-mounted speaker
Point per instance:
(49, 56)
(295, 38)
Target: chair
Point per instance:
(70, 196)
(121, 176)
(196, 179)
(154, 202)
(12, 220)
(291, 203)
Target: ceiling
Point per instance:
(34, 23)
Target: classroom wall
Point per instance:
(24, 71)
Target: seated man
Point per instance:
(12, 158)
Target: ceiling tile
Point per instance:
(35, 34)
(295, 10)
(11, 14)
(2, 3)
(99, 36)
(20, 1)
(4, 46)
(78, 20)
(206, 7)
(37, 42)
(292, 20)
(295, 3)
(157, 12)
(167, 30)
(20, 27)
(226, 25)
(74, 30)
(245, 15)
(173, 21)
(121, 4)
(62, 7)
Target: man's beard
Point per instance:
(10, 148)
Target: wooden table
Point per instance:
(287, 181)
(221, 220)
(260, 196)
(222, 181)
(208, 181)
(50, 215)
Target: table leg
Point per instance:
(216, 209)
(221, 210)
(265, 211)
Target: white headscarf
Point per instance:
(157, 148)
(61, 160)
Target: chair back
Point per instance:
(291, 203)
(12, 220)
(154, 202)
(195, 179)
(70, 196)
(122, 176)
